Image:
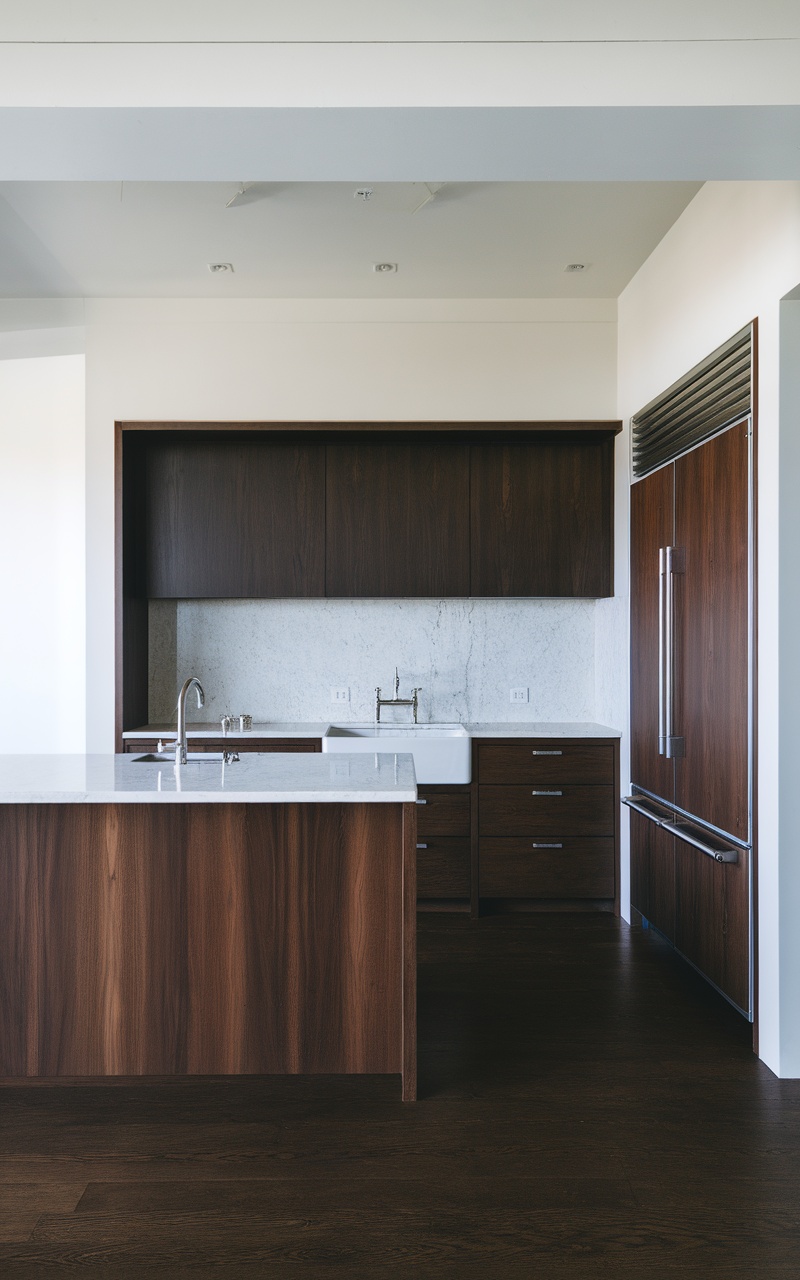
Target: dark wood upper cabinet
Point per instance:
(397, 518)
(229, 517)
(541, 518)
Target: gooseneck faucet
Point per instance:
(180, 744)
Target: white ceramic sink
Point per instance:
(441, 751)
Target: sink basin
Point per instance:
(441, 751)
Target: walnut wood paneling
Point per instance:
(541, 520)
(711, 524)
(234, 517)
(576, 811)
(652, 527)
(581, 868)
(653, 873)
(443, 867)
(171, 939)
(139, 746)
(443, 812)
(712, 918)
(565, 761)
(397, 519)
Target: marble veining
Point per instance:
(255, 779)
(278, 659)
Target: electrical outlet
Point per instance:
(340, 695)
(520, 695)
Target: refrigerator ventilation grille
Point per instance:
(710, 397)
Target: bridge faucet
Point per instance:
(396, 701)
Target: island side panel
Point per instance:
(98, 941)
(295, 938)
(173, 939)
(409, 953)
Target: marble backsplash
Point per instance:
(278, 659)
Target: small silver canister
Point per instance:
(245, 722)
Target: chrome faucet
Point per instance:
(180, 744)
(396, 701)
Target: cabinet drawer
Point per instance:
(443, 868)
(140, 746)
(558, 811)
(512, 868)
(545, 761)
(442, 813)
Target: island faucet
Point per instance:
(180, 744)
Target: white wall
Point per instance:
(42, 565)
(343, 361)
(732, 256)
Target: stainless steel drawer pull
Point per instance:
(422, 802)
(547, 793)
(547, 844)
(547, 753)
(422, 846)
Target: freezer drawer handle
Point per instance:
(719, 855)
(547, 793)
(643, 807)
(547, 844)
(547, 753)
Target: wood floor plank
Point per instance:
(23, 1203)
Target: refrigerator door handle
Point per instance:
(673, 563)
(662, 729)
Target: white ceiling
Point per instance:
(150, 239)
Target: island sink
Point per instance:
(441, 751)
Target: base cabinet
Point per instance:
(547, 821)
(443, 845)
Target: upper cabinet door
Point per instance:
(652, 528)
(397, 518)
(234, 518)
(542, 515)
(711, 525)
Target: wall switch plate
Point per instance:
(340, 694)
(520, 695)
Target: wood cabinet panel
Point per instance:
(653, 873)
(171, 939)
(712, 919)
(234, 518)
(443, 812)
(545, 761)
(652, 528)
(443, 867)
(574, 811)
(397, 519)
(139, 746)
(580, 868)
(711, 525)
(541, 518)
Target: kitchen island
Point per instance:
(256, 917)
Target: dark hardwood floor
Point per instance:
(588, 1108)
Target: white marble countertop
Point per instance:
(495, 729)
(279, 778)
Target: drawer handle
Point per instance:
(547, 844)
(422, 802)
(547, 753)
(547, 793)
(422, 846)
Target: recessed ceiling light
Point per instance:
(363, 193)
(216, 268)
(384, 268)
(575, 266)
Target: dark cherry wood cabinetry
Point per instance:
(230, 517)
(548, 820)
(443, 845)
(397, 519)
(542, 518)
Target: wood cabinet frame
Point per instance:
(131, 610)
